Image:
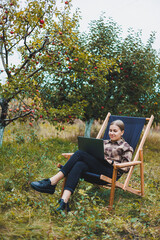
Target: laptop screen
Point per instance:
(92, 146)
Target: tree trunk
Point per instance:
(1, 134)
(3, 114)
(88, 127)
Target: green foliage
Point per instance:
(41, 32)
(104, 37)
(138, 81)
(134, 89)
(26, 214)
(72, 94)
(82, 92)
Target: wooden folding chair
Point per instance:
(133, 130)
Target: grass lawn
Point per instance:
(27, 214)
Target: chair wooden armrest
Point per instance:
(67, 155)
(59, 165)
(127, 164)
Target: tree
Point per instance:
(134, 89)
(137, 84)
(86, 85)
(82, 91)
(38, 31)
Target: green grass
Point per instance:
(27, 214)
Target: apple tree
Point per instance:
(85, 85)
(37, 31)
(137, 88)
(134, 89)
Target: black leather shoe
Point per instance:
(63, 206)
(43, 186)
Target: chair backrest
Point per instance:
(133, 128)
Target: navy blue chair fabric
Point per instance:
(94, 178)
(133, 128)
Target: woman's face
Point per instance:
(115, 133)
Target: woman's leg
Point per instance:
(66, 169)
(74, 175)
(79, 157)
(94, 165)
(56, 178)
(66, 195)
(71, 183)
(81, 163)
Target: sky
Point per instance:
(139, 14)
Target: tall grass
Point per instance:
(45, 130)
(33, 153)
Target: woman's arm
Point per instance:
(126, 157)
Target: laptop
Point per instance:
(93, 146)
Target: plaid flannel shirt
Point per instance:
(118, 152)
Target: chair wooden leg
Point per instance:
(142, 172)
(111, 199)
(63, 184)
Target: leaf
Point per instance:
(133, 220)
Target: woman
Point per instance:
(116, 150)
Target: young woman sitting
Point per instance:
(116, 150)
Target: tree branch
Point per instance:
(9, 49)
(2, 57)
(32, 74)
(32, 54)
(5, 63)
(16, 93)
(15, 118)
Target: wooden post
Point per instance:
(103, 126)
(63, 184)
(141, 172)
(111, 199)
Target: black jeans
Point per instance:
(81, 162)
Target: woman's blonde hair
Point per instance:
(118, 123)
